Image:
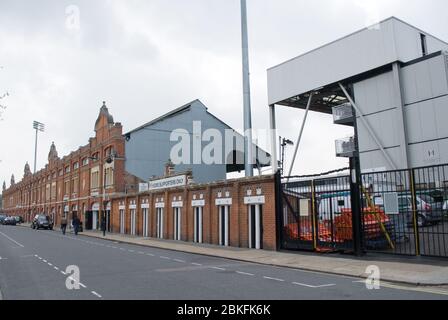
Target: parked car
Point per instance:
(42, 222)
(19, 220)
(10, 221)
(425, 213)
(2, 218)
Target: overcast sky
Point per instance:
(146, 57)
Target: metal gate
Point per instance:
(316, 215)
(403, 212)
(412, 205)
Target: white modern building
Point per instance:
(389, 81)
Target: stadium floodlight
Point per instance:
(38, 126)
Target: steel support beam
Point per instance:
(273, 133)
(398, 95)
(369, 129)
(300, 133)
(249, 160)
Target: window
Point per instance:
(67, 169)
(96, 157)
(76, 166)
(109, 151)
(67, 187)
(61, 173)
(54, 175)
(95, 178)
(47, 192)
(53, 190)
(424, 44)
(85, 161)
(109, 176)
(75, 185)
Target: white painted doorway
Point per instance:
(198, 225)
(145, 223)
(159, 222)
(122, 222)
(133, 222)
(177, 224)
(223, 212)
(255, 226)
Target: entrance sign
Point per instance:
(165, 183)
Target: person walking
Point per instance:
(64, 224)
(76, 223)
(103, 225)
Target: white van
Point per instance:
(331, 205)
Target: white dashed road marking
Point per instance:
(71, 278)
(313, 287)
(245, 273)
(196, 264)
(11, 239)
(165, 258)
(218, 268)
(178, 260)
(274, 279)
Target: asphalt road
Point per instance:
(33, 265)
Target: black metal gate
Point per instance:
(403, 212)
(412, 204)
(316, 215)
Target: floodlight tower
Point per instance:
(38, 126)
(248, 157)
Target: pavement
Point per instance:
(406, 270)
(42, 264)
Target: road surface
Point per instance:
(33, 265)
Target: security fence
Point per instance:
(316, 214)
(403, 212)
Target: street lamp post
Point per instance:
(38, 126)
(283, 143)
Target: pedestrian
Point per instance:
(64, 224)
(103, 225)
(76, 223)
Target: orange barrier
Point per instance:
(342, 226)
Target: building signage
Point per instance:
(254, 200)
(160, 205)
(133, 206)
(142, 187)
(95, 194)
(177, 204)
(171, 182)
(198, 203)
(224, 202)
(122, 208)
(145, 205)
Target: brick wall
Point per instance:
(236, 190)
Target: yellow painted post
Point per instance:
(315, 226)
(414, 213)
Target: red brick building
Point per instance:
(80, 183)
(238, 213)
(92, 183)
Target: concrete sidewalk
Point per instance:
(414, 271)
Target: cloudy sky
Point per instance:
(146, 57)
